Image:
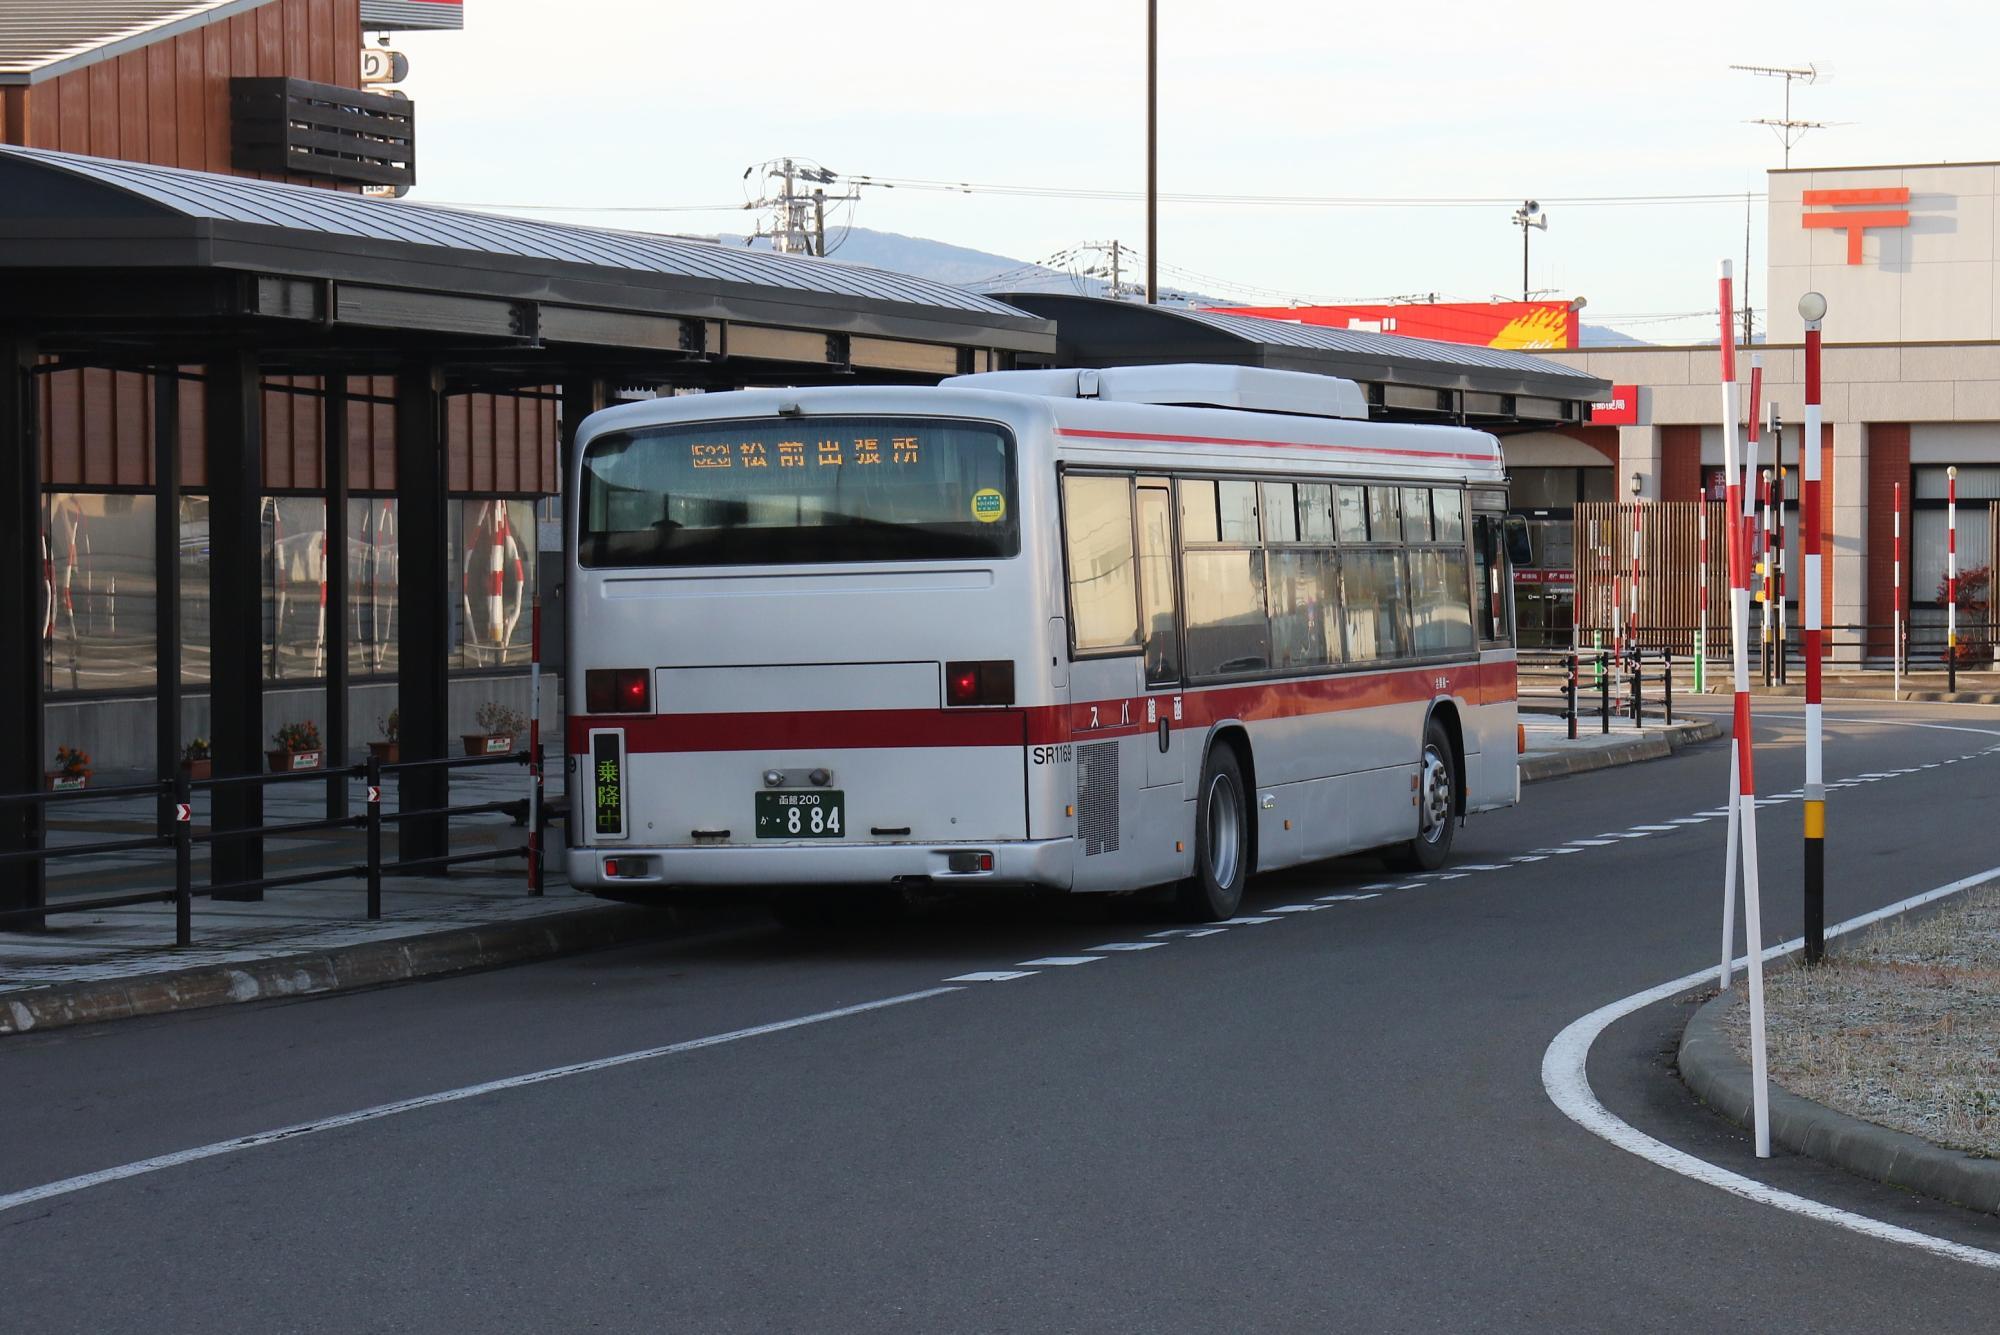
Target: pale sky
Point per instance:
(598, 103)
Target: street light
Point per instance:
(1528, 215)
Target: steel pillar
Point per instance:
(22, 612)
(234, 401)
(423, 643)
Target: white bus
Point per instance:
(1081, 630)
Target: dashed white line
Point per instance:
(1530, 857)
(1297, 908)
(992, 976)
(1245, 921)
(1655, 828)
(1059, 961)
(1129, 945)
(1592, 843)
(1479, 866)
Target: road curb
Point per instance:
(338, 969)
(1710, 1067)
(1657, 745)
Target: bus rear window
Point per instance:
(799, 491)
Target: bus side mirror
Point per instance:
(1520, 552)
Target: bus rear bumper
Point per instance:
(1042, 862)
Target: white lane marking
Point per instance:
(1053, 961)
(1592, 843)
(1530, 857)
(1655, 828)
(1380, 885)
(1623, 834)
(1342, 899)
(992, 976)
(1244, 921)
(1209, 931)
(1568, 1085)
(1547, 852)
(1129, 945)
(296, 1130)
(1296, 908)
(1931, 765)
(1479, 866)
(1408, 885)
(1692, 820)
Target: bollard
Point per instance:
(1638, 691)
(1603, 693)
(374, 796)
(183, 861)
(1667, 682)
(1569, 694)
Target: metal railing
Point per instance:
(182, 837)
(1561, 678)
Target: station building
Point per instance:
(1908, 259)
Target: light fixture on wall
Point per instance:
(1638, 484)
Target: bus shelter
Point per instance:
(210, 294)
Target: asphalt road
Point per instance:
(1331, 1120)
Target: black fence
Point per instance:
(182, 837)
(1597, 680)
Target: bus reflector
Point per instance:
(1521, 739)
(984, 683)
(616, 691)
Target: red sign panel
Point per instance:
(1621, 409)
(1522, 325)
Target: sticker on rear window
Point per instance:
(988, 506)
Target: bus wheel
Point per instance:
(1437, 807)
(1221, 842)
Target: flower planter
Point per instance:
(487, 743)
(198, 769)
(284, 762)
(386, 752)
(60, 782)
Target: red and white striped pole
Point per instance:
(1812, 307)
(1896, 615)
(1638, 545)
(1951, 578)
(496, 585)
(1745, 787)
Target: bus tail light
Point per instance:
(617, 691)
(984, 683)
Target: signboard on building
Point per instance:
(1621, 409)
(1521, 325)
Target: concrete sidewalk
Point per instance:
(298, 941)
(1551, 754)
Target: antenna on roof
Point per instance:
(1789, 131)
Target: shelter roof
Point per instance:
(1405, 376)
(40, 39)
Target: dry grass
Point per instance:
(1901, 1028)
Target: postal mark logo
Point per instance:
(988, 506)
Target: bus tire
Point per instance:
(1437, 806)
(1221, 842)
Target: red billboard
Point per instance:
(1523, 325)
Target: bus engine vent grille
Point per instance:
(1097, 797)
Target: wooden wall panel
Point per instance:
(168, 103)
(102, 92)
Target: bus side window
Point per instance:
(1490, 583)
(1103, 585)
(1158, 623)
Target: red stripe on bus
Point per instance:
(1272, 444)
(871, 729)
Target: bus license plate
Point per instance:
(816, 815)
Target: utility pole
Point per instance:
(797, 220)
(1117, 290)
(1152, 152)
(1789, 131)
(1530, 214)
